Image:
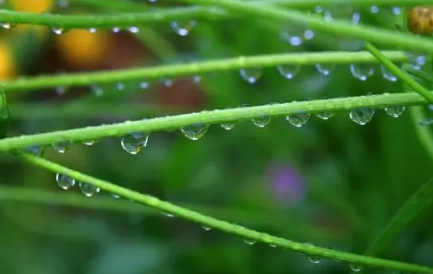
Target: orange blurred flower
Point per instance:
(7, 63)
(35, 6)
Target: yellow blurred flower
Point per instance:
(7, 62)
(35, 6)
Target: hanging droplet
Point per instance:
(249, 241)
(355, 268)
(90, 142)
(88, 189)
(134, 143)
(60, 90)
(261, 122)
(93, 30)
(228, 126)
(388, 75)
(59, 30)
(362, 71)
(144, 84)
(196, 79)
(115, 195)
(289, 71)
(325, 115)
(65, 182)
(97, 90)
(134, 29)
(395, 111)
(417, 61)
(182, 28)
(167, 82)
(396, 10)
(120, 86)
(169, 215)
(35, 150)
(273, 245)
(361, 116)
(8, 25)
(314, 259)
(296, 36)
(374, 9)
(61, 147)
(207, 228)
(116, 29)
(195, 132)
(298, 119)
(251, 75)
(325, 69)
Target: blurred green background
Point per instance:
(331, 182)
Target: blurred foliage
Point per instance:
(333, 183)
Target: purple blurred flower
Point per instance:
(287, 184)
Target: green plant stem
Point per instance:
(212, 117)
(241, 231)
(336, 27)
(411, 209)
(424, 133)
(78, 79)
(114, 5)
(406, 78)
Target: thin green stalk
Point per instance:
(212, 117)
(114, 5)
(406, 78)
(424, 133)
(409, 211)
(241, 231)
(196, 68)
(336, 27)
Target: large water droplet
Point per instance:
(35, 150)
(361, 116)
(195, 132)
(64, 181)
(388, 75)
(289, 71)
(61, 147)
(134, 143)
(261, 122)
(183, 28)
(298, 119)
(8, 25)
(395, 111)
(325, 69)
(249, 241)
(325, 115)
(134, 29)
(116, 29)
(355, 268)
(228, 126)
(362, 71)
(88, 189)
(251, 75)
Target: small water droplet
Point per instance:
(116, 29)
(120, 86)
(115, 195)
(295, 36)
(388, 75)
(207, 228)
(251, 75)
(182, 28)
(61, 147)
(35, 150)
(195, 132)
(261, 122)
(325, 69)
(65, 182)
(426, 122)
(134, 29)
(228, 126)
(314, 259)
(90, 142)
(88, 190)
(325, 115)
(374, 9)
(289, 71)
(59, 30)
(134, 143)
(273, 245)
(144, 84)
(396, 10)
(60, 90)
(167, 82)
(298, 119)
(355, 268)
(417, 61)
(395, 111)
(362, 71)
(249, 241)
(93, 30)
(361, 116)
(8, 25)
(169, 215)
(97, 90)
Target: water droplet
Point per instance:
(426, 122)
(195, 132)
(144, 84)
(90, 142)
(35, 150)
(388, 75)
(345, 12)
(196, 78)
(93, 30)
(298, 119)
(207, 228)
(228, 126)
(116, 29)
(8, 25)
(261, 122)
(396, 10)
(325, 69)
(296, 36)
(251, 75)
(374, 9)
(65, 182)
(115, 196)
(169, 215)
(88, 189)
(355, 268)
(417, 61)
(61, 147)
(134, 29)
(134, 143)
(395, 111)
(97, 90)
(361, 116)
(60, 90)
(182, 28)
(59, 30)
(120, 86)
(273, 245)
(289, 71)
(249, 241)
(362, 71)
(325, 115)
(167, 82)
(314, 259)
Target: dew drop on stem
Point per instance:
(97, 90)
(90, 142)
(134, 143)
(426, 122)
(395, 111)
(374, 9)
(289, 71)
(361, 116)
(134, 29)
(88, 190)
(36, 150)
(65, 182)
(116, 29)
(8, 25)
(92, 30)
(355, 268)
(60, 90)
(182, 28)
(61, 146)
(228, 126)
(249, 241)
(362, 71)
(206, 228)
(251, 75)
(325, 115)
(298, 119)
(59, 30)
(388, 75)
(195, 132)
(261, 122)
(325, 69)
